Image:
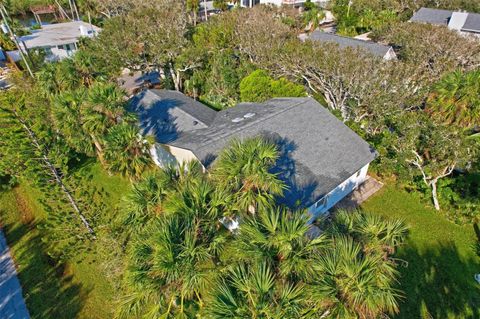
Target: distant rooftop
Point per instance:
(318, 152)
(376, 49)
(59, 34)
(461, 21)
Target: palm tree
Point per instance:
(313, 16)
(104, 107)
(172, 266)
(47, 79)
(147, 199)
(279, 237)
(455, 99)
(351, 284)
(66, 109)
(126, 151)
(255, 291)
(376, 234)
(244, 168)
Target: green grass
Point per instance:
(440, 257)
(78, 289)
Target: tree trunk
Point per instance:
(175, 77)
(434, 194)
(55, 174)
(99, 148)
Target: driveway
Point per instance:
(12, 304)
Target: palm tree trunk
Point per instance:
(55, 174)
(99, 149)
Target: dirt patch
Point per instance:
(25, 211)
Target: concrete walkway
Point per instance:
(12, 304)
(361, 194)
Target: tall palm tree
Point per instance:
(279, 237)
(376, 234)
(455, 99)
(147, 199)
(103, 108)
(313, 17)
(126, 151)
(172, 266)
(255, 291)
(66, 113)
(351, 284)
(244, 168)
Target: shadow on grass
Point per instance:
(47, 287)
(439, 283)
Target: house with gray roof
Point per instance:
(321, 159)
(463, 22)
(385, 52)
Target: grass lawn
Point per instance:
(440, 259)
(74, 290)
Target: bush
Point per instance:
(259, 87)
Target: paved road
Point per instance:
(12, 304)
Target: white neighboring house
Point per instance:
(251, 3)
(464, 22)
(321, 160)
(58, 40)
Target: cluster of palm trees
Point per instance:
(91, 115)
(183, 262)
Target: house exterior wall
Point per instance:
(342, 190)
(60, 52)
(391, 55)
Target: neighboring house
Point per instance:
(463, 22)
(251, 3)
(382, 51)
(58, 40)
(321, 159)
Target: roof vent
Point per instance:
(249, 115)
(237, 119)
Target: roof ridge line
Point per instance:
(256, 121)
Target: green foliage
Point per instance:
(244, 169)
(259, 87)
(357, 17)
(461, 195)
(455, 99)
(127, 151)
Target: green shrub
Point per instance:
(259, 86)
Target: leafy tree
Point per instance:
(126, 151)
(259, 87)
(455, 99)
(220, 4)
(244, 168)
(193, 6)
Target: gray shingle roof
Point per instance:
(376, 49)
(433, 16)
(442, 17)
(472, 23)
(166, 114)
(318, 152)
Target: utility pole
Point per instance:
(4, 14)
